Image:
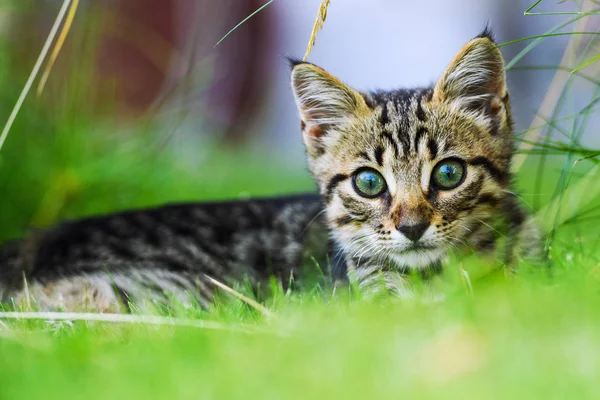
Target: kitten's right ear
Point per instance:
(325, 104)
(474, 80)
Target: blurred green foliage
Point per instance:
(67, 157)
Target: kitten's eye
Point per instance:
(448, 174)
(368, 183)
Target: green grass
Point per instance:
(529, 337)
(535, 334)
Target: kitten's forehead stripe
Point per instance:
(419, 112)
(403, 139)
(433, 148)
(421, 131)
(392, 142)
(383, 117)
(379, 155)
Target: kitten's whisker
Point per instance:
(466, 228)
(491, 227)
(518, 196)
(367, 248)
(312, 220)
(455, 240)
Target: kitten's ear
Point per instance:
(325, 104)
(475, 79)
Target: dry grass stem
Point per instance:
(319, 22)
(240, 296)
(123, 318)
(34, 71)
(59, 44)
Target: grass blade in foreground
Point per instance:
(244, 20)
(34, 71)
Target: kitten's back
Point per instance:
(118, 258)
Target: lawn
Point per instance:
(527, 337)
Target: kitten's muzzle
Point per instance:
(413, 232)
(412, 217)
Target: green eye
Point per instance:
(448, 174)
(369, 183)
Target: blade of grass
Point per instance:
(528, 12)
(575, 197)
(562, 148)
(124, 318)
(510, 65)
(521, 134)
(545, 35)
(558, 67)
(34, 71)
(585, 63)
(58, 46)
(259, 307)
(244, 20)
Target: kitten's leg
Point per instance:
(143, 289)
(75, 294)
(527, 243)
(374, 281)
(524, 239)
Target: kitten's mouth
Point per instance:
(418, 247)
(418, 255)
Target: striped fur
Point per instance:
(143, 257)
(402, 135)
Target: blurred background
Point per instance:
(141, 108)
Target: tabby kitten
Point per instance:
(405, 177)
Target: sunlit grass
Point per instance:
(526, 337)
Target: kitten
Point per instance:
(405, 177)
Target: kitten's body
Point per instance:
(405, 177)
(104, 263)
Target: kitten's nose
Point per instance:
(413, 232)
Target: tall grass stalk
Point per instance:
(34, 71)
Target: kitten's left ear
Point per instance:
(326, 105)
(475, 80)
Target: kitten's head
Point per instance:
(406, 175)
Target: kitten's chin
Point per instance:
(418, 258)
